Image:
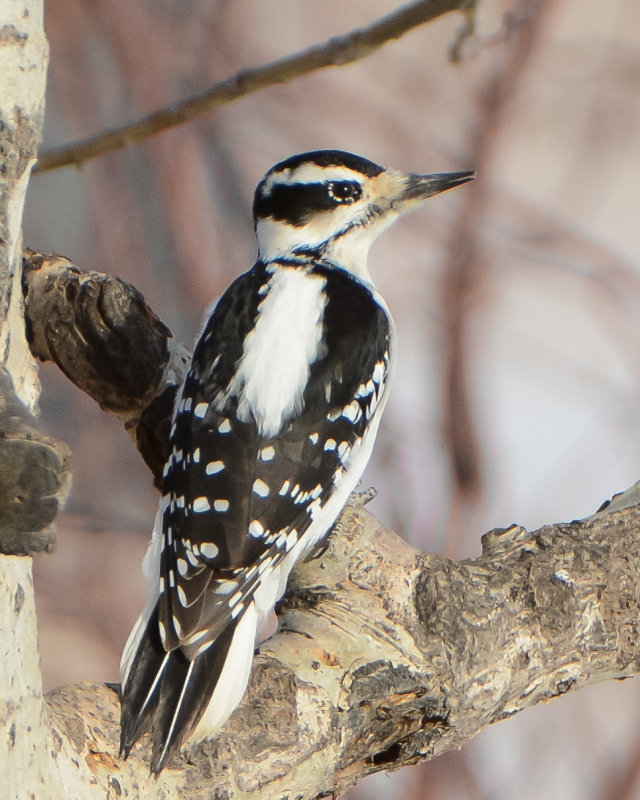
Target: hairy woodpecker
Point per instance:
(272, 429)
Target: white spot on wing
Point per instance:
(352, 412)
(221, 505)
(313, 438)
(378, 372)
(260, 488)
(256, 528)
(330, 444)
(224, 426)
(200, 410)
(292, 538)
(225, 587)
(209, 549)
(182, 597)
(343, 450)
(214, 467)
(267, 453)
(201, 504)
(235, 599)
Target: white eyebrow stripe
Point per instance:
(312, 173)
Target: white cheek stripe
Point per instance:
(278, 352)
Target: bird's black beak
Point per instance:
(419, 187)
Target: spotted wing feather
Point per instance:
(237, 502)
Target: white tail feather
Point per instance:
(233, 679)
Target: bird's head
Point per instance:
(332, 205)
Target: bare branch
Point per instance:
(387, 657)
(337, 51)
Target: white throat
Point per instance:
(349, 250)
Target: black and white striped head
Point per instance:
(331, 204)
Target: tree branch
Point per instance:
(337, 51)
(385, 656)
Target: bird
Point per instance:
(272, 429)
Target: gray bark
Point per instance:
(387, 656)
(33, 468)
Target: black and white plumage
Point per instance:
(272, 430)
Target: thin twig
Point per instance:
(336, 51)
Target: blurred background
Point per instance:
(516, 298)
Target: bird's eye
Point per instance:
(345, 191)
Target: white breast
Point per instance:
(278, 353)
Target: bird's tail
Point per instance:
(176, 697)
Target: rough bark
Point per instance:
(387, 656)
(33, 468)
(106, 339)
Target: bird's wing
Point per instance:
(235, 501)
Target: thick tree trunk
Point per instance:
(33, 469)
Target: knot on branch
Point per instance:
(97, 329)
(35, 477)
(102, 334)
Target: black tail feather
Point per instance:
(139, 696)
(187, 687)
(167, 693)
